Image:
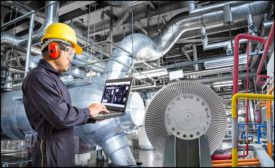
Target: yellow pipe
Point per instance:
(241, 160)
(255, 163)
(234, 116)
(268, 118)
(234, 157)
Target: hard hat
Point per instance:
(64, 32)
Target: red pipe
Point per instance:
(236, 76)
(236, 56)
(266, 47)
(246, 101)
(221, 156)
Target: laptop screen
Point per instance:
(116, 93)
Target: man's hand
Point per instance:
(96, 108)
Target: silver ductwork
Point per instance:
(143, 48)
(193, 10)
(51, 16)
(139, 47)
(124, 3)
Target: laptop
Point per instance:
(115, 97)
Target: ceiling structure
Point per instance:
(98, 21)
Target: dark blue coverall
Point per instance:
(48, 106)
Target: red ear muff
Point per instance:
(54, 50)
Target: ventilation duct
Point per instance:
(108, 133)
(143, 48)
(124, 3)
(51, 16)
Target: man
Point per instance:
(47, 100)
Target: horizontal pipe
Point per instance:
(193, 10)
(235, 121)
(17, 19)
(256, 163)
(229, 161)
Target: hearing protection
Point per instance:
(54, 49)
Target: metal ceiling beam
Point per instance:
(73, 6)
(138, 25)
(151, 5)
(23, 9)
(119, 23)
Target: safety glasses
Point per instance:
(71, 52)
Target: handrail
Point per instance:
(235, 119)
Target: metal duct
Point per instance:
(108, 133)
(51, 16)
(196, 11)
(224, 44)
(124, 3)
(224, 62)
(141, 47)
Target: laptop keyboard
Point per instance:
(105, 116)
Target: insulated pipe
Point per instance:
(193, 10)
(141, 47)
(207, 46)
(51, 16)
(266, 48)
(234, 102)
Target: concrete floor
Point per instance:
(147, 158)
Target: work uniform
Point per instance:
(48, 106)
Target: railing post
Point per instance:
(29, 44)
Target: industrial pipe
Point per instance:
(193, 10)
(229, 161)
(51, 13)
(236, 59)
(235, 119)
(255, 163)
(29, 45)
(142, 48)
(269, 123)
(266, 47)
(236, 55)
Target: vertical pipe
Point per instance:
(204, 37)
(266, 47)
(234, 102)
(236, 56)
(269, 122)
(29, 44)
(234, 132)
(111, 30)
(195, 57)
(88, 28)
